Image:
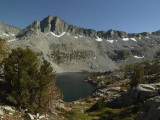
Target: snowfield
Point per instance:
(133, 39)
(138, 56)
(125, 39)
(12, 40)
(99, 39)
(55, 34)
(111, 41)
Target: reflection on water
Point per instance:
(73, 85)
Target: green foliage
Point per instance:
(26, 82)
(138, 76)
(75, 115)
(46, 78)
(150, 67)
(20, 75)
(98, 105)
(3, 50)
(142, 70)
(125, 113)
(3, 54)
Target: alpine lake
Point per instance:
(73, 85)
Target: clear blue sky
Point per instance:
(125, 15)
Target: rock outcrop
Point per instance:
(136, 94)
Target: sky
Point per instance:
(132, 16)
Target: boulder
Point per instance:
(136, 94)
(150, 110)
(145, 87)
(143, 91)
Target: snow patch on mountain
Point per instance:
(138, 56)
(12, 34)
(12, 40)
(133, 39)
(5, 34)
(111, 41)
(76, 37)
(125, 39)
(148, 37)
(55, 34)
(99, 39)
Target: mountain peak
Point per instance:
(58, 26)
(54, 24)
(50, 16)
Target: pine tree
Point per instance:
(28, 84)
(46, 81)
(138, 76)
(20, 75)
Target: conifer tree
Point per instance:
(20, 75)
(46, 80)
(27, 82)
(138, 76)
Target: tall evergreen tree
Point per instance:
(27, 82)
(20, 75)
(46, 79)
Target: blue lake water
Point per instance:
(73, 85)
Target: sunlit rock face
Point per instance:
(71, 49)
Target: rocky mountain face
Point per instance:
(7, 31)
(72, 49)
(4, 28)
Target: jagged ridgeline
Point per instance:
(71, 49)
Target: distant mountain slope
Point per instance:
(71, 49)
(8, 32)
